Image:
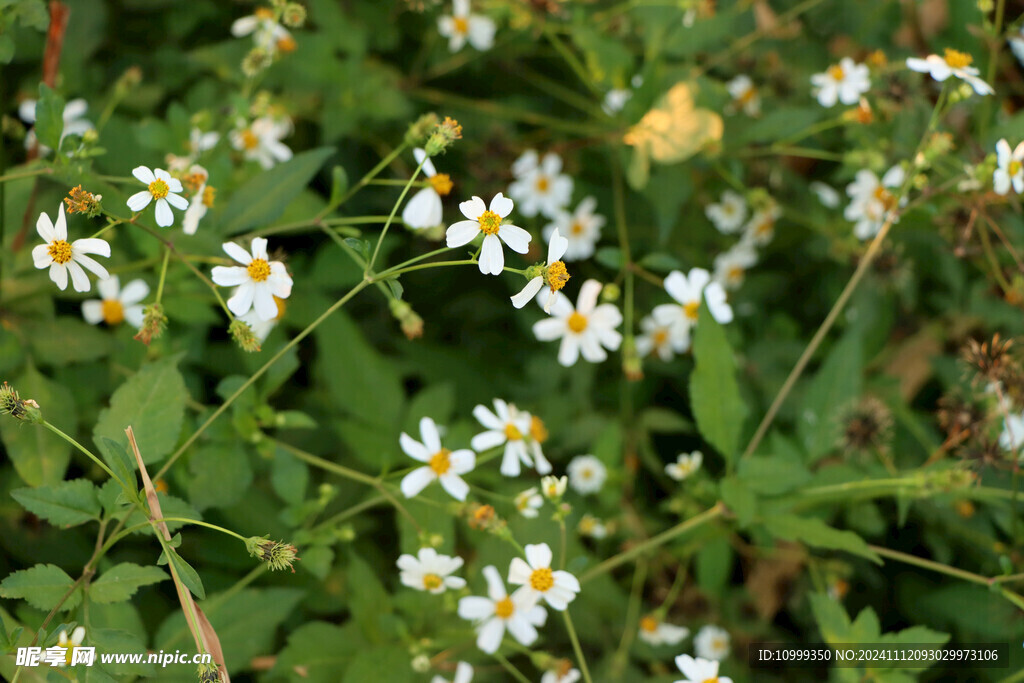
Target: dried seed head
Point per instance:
(446, 132)
(154, 322)
(11, 404)
(294, 15)
(866, 427)
(81, 201)
(991, 361)
(243, 335)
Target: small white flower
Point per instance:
(570, 676)
(728, 215)
(591, 526)
(77, 636)
(462, 26)
(582, 229)
(261, 328)
(442, 464)
(689, 291)
(744, 95)
(463, 674)
(699, 670)
(116, 304)
(258, 279)
(74, 123)
(554, 275)
(162, 188)
(1017, 46)
(540, 185)
(490, 222)
(62, 257)
(201, 202)
(845, 82)
(760, 229)
(586, 474)
(871, 200)
(663, 341)
(519, 613)
(429, 571)
(507, 426)
(261, 141)
(731, 267)
(425, 210)
(711, 642)
(199, 142)
(266, 32)
(553, 487)
(656, 632)
(685, 465)
(1012, 437)
(583, 330)
(952, 63)
(528, 502)
(558, 588)
(1010, 170)
(827, 195)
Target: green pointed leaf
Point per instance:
(66, 504)
(41, 457)
(714, 393)
(41, 586)
(188, 575)
(121, 581)
(832, 620)
(816, 533)
(49, 117)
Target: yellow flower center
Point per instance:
(1014, 167)
(747, 95)
(442, 184)
(259, 269)
(836, 72)
(649, 624)
(577, 228)
(440, 462)
(249, 139)
(432, 581)
(965, 509)
(538, 432)
(489, 222)
(158, 189)
(718, 644)
(577, 322)
(543, 184)
(209, 194)
(512, 432)
(286, 44)
(765, 226)
(281, 305)
(956, 59)
(504, 608)
(556, 276)
(710, 680)
(885, 197)
(542, 579)
(660, 337)
(586, 473)
(587, 526)
(193, 181)
(461, 25)
(113, 311)
(735, 273)
(264, 13)
(691, 310)
(59, 251)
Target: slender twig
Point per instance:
(580, 659)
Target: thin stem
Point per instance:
(45, 170)
(636, 596)
(388, 274)
(571, 59)
(509, 667)
(163, 275)
(580, 659)
(394, 210)
(186, 520)
(83, 449)
(370, 175)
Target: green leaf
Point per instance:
(367, 598)
(775, 474)
(221, 474)
(265, 197)
(152, 402)
(379, 665)
(63, 341)
(49, 117)
(816, 533)
(660, 263)
(714, 565)
(188, 575)
(834, 386)
(122, 580)
(66, 504)
(41, 586)
(320, 650)
(339, 184)
(714, 393)
(41, 457)
(664, 421)
(832, 620)
(739, 498)
(289, 476)
(122, 464)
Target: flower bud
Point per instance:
(256, 61)
(153, 323)
(243, 335)
(447, 132)
(294, 15)
(11, 404)
(421, 128)
(275, 554)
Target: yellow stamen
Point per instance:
(490, 222)
(59, 251)
(432, 581)
(543, 184)
(649, 624)
(956, 59)
(542, 580)
(264, 13)
(836, 72)
(735, 274)
(577, 228)
(512, 432)
(286, 44)
(556, 276)
(442, 184)
(440, 462)
(209, 194)
(259, 269)
(461, 25)
(660, 337)
(113, 311)
(249, 139)
(577, 322)
(504, 608)
(710, 680)
(1014, 167)
(538, 432)
(158, 189)
(747, 95)
(691, 310)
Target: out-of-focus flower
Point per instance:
(587, 329)
(425, 210)
(261, 140)
(462, 27)
(429, 571)
(845, 82)
(1010, 168)
(685, 465)
(586, 474)
(73, 116)
(711, 642)
(441, 464)
(161, 188)
(115, 304)
(519, 613)
(952, 63)
(729, 213)
(582, 229)
(540, 185)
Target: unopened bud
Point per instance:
(421, 128)
(411, 322)
(447, 132)
(243, 335)
(294, 15)
(154, 322)
(275, 554)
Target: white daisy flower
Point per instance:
(77, 636)
(1010, 170)
(425, 210)
(1017, 45)
(558, 588)
(554, 275)
(258, 280)
(591, 526)
(871, 200)
(463, 674)
(519, 613)
(162, 188)
(261, 328)
(115, 304)
(507, 426)
(442, 464)
(490, 222)
(699, 670)
(685, 465)
(1012, 437)
(663, 341)
(62, 257)
(760, 229)
(261, 141)
(570, 676)
(528, 502)
(462, 26)
(538, 435)
(202, 201)
(952, 63)
(266, 32)
(586, 474)
(711, 642)
(731, 267)
(74, 123)
(689, 291)
(656, 632)
(845, 82)
(581, 228)
(744, 95)
(429, 571)
(540, 185)
(827, 195)
(553, 487)
(728, 215)
(583, 330)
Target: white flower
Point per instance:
(528, 502)
(711, 642)
(845, 81)
(952, 63)
(1010, 170)
(74, 123)
(871, 200)
(490, 222)
(462, 26)
(77, 636)
(558, 588)
(760, 229)
(554, 487)
(463, 674)
(744, 95)
(699, 670)
(1017, 46)
(519, 613)
(591, 526)
(728, 215)
(266, 32)
(689, 291)
(199, 142)
(540, 185)
(160, 186)
(430, 571)
(554, 275)
(425, 210)
(261, 141)
(663, 341)
(442, 464)
(261, 328)
(62, 257)
(586, 474)
(731, 267)
(570, 676)
(538, 435)
(582, 229)
(1012, 437)
(685, 465)
(654, 631)
(583, 330)
(258, 279)
(201, 202)
(827, 195)
(504, 426)
(116, 304)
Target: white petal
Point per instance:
(424, 210)
(495, 588)
(549, 329)
(241, 302)
(229, 276)
(556, 247)
(92, 265)
(454, 485)
(492, 259)
(237, 252)
(462, 461)
(519, 572)
(515, 237)
(588, 296)
(44, 226)
(59, 275)
(164, 216)
(501, 205)
(264, 304)
(569, 351)
(472, 208)
(91, 245)
(538, 555)
(139, 200)
(528, 292)
(475, 607)
(143, 174)
(92, 311)
(431, 437)
(413, 448)
(41, 255)
(177, 201)
(491, 633)
(78, 277)
(461, 233)
(110, 288)
(416, 481)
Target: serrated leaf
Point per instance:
(816, 533)
(714, 392)
(122, 580)
(41, 586)
(122, 465)
(49, 117)
(41, 457)
(66, 504)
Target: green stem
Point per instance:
(570, 59)
(580, 659)
(364, 181)
(509, 667)
(388, 274)
(621, 656)
(85, 450)
(45, 170)
(163, 275)
(394, 210)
